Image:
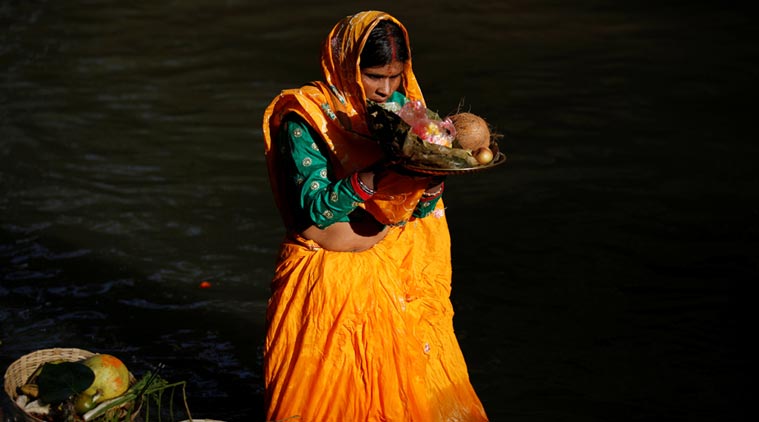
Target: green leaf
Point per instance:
(59, 381)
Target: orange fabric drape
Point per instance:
(361, 336)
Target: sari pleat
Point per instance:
(351, 340)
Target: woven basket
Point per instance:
(18, 372)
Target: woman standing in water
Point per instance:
(360, 324)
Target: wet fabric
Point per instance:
(361, 336)
(368, 336)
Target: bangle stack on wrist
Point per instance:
(364, 191)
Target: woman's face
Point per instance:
(381, 81)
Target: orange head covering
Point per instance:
(336, 107)
(341, 53)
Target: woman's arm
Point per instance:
(323, 200)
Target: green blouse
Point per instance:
(322, 199)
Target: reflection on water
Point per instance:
(601, 274)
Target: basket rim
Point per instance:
(22, 368)
(35, 358)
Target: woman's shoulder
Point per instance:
(310, 92)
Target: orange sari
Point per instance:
(361, 336)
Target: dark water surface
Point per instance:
(603, 274)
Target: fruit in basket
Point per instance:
(83, 403)
(111, 380)
(472, 132)
(111, 376)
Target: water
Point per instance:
(602, 274)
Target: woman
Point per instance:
(360, 320)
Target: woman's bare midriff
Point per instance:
(355, 236)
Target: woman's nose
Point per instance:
(384, 87)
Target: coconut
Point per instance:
(472, 132)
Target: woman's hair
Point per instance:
(385, 44)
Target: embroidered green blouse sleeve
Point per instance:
(427, 205)
(321, 198)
